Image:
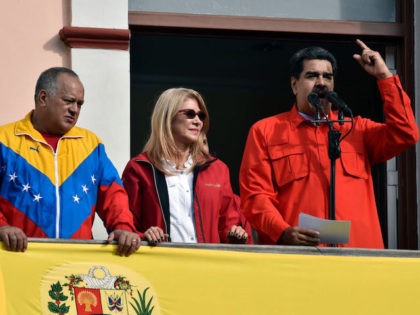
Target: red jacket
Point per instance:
(215, 210)
(286, 169)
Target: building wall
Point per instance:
(106, 76)
(355, 10)
(30, 44)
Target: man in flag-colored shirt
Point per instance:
(54, 176)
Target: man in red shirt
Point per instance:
(285, 168)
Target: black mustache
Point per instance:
(321, 91)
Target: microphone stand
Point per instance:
(334, 153)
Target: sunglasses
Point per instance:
(190, 113)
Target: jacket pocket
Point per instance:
(353, 163)
(289, 164)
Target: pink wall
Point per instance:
(30, 44)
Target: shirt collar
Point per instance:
(25, 127)
(170, 166)
(297, 118)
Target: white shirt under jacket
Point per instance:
(180, 191)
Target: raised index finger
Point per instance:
(361, 44)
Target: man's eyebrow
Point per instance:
(318, 73)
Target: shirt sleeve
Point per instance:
(386, 140)
(131, 184)
(112, 200)
(229, 213)
(257, 189)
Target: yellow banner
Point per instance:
(90, 279)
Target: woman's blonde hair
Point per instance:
(161, 143)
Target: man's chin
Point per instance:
(66, 128)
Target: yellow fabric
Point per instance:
(2, 295)
(196, 281)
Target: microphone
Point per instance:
(338, 103)
(313, 98)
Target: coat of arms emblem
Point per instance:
(98, 292)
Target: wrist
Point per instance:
(384, 75)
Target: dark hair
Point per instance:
(309, 53)
(48, 79)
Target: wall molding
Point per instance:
(204, 21)
(90, 37)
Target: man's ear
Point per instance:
(41, 98)
(293, 82)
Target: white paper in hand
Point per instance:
(331, 231)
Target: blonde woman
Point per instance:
(177, 191)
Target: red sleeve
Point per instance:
(244, 222)
(112, 207)
(229, 212)
(258, 196)
(131, 184)
(399, 131)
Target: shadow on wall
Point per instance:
(56, 45)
